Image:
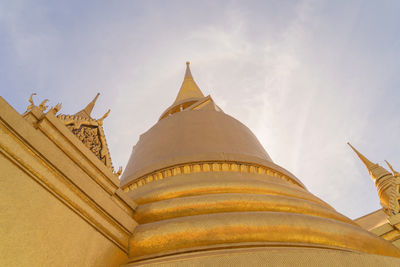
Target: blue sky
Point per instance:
(304, 76)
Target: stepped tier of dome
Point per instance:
(214, 210)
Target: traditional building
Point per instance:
(199, 189)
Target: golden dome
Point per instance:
(202, 182)
(193, 129)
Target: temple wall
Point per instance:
(37, 229)
(59, 204)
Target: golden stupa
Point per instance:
(198, 190)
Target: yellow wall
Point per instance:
(37, 229)
(59, 204)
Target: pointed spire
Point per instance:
(189, 88)
(85, 113)
(366, 162)
(188, 73)
(395, 173)
(375, 171)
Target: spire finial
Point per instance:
(383, 182)
(189, 88)
(188, 73)
(366, 162)
(375, 171)
(395, 173)
(85, 113)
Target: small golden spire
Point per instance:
(383, 182)
(375, 171)
(85, 113)
(366, 162)
(189, 88)
(395, 173)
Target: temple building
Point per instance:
(198, 190)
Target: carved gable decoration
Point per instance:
(91, 134)
(89, 131)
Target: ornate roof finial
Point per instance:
(118, 173)
(57, 108)
(395, 173)
(189, 88)
(31, 102)
(100, 121)
(85, 113)
(42, 105)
